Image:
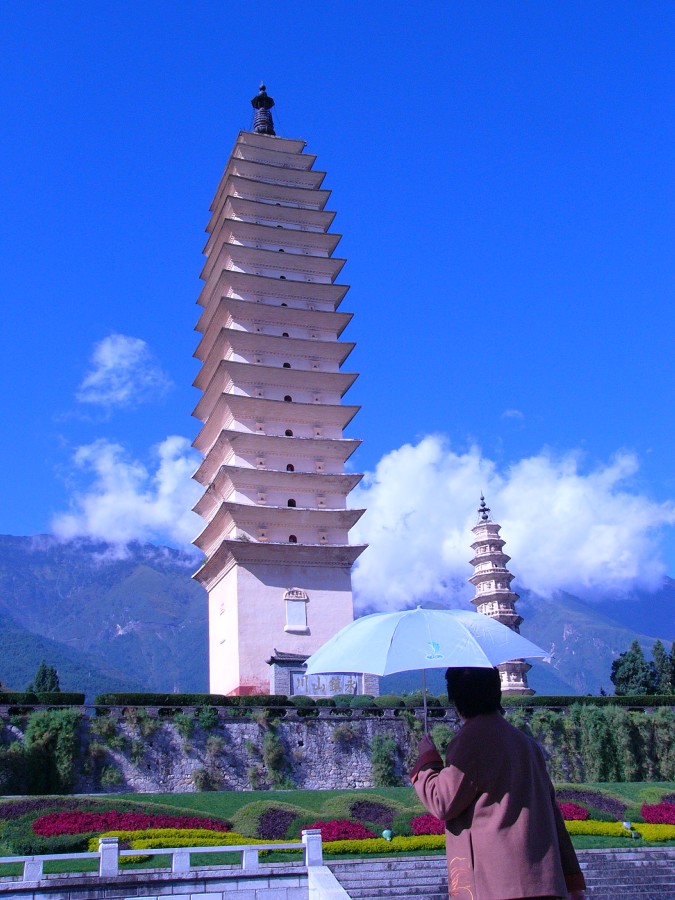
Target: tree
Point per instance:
(46, 680)
(631, 674)
(663, 669)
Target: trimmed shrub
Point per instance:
(572, 811)
(427, 824)
(658, 813)
(341, 830)
(389, 701)
(246, 820)
(383, 751)
(372, 812)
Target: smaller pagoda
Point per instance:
(494, 597)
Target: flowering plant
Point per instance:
(658, 813)
(573, 811)
(427, 824)
(341, 830)
(58, 823)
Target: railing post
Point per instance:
(313, 852)
(32, 869)
(249, 859)
(180, 861)
(109, 853)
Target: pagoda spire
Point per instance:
(262, 103)
(494, 596)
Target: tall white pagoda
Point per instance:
(494, 596)
(278, 561)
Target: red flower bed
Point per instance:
(57, 823)
(573, 811)
(427, 824)
(342, 830)
(658, 813)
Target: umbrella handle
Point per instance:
(424, 700)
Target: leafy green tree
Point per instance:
(46, 680)
(631, 674)
(663, 674)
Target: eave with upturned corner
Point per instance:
(247, 553)
(244, 343)
(242, 478)
(294, 241)
(237, 515)
(247, 442)
(244, 284)
(296, 266)
(229, 374)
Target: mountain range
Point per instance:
(111, 618)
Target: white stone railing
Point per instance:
(109, 855)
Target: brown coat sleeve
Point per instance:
(446, 794)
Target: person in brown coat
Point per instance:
(505, 836)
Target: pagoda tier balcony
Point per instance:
(304, 453)
(312, 221)
(266, 192)
(491, 557)
(279, 555)
(275, 318)
(258, 380)
(269, 156)
(244, 516)
(245, 480)
(494, 543)
(504, 596)
(271, 264)
(271, 142)
(244, 286)
(270, 237)
(237, 410)
(491, 574)
(309, 179)
(486, 531)
(251, 346)
(501, 610)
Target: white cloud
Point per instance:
(126, 501)
(123, 373)
(585, 532)
(512, 414)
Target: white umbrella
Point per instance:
(384, 643)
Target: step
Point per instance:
(647, 873)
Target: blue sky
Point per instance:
(502, 174)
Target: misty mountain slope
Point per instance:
(137, 621)
(141, 613)
(22, 652)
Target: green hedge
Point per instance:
(51, 698)
(358, 701)
(639, 701)
(118, 699)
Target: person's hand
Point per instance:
(429, 757)
(426, 745)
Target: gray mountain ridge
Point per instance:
(132, 618)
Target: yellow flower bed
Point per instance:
(177, 837)
(380, 845)
(616, 829)
(656, 832)
(163, 838)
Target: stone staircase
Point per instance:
(644, 873)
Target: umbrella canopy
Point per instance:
(384, 643)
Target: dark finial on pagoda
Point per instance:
(262, 103)
(483, 510)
